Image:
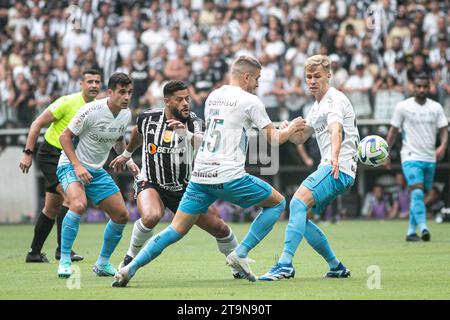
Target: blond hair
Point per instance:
(245, 64)
(318, 60)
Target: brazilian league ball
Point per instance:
(373, 151)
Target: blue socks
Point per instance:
(319, 242)
(111, 237)
(69, 232)
(294, 230)
(153, 248)
(418, 209)
(259, 228)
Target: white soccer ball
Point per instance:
(373, 151)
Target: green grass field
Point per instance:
(194, 269)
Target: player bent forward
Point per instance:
(97, 126)
(163, 180)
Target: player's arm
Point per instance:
(44, 119)
(443, 137)
(302, 136)
(390, 139)
(66, 139)
(279, 136)
(125, 152)
(335, 129)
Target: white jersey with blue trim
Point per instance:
(419, 125)
(335, 107)
(229, 113)
(97, 130)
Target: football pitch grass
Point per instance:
(374, 251)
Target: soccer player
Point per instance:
(167, 159)
(332, 118)
(219, 170)
(420, 119)
(95, 129)
(57, 115)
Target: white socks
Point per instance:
(227, 244)
(139, 237)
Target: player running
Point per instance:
(57, 115)
(167, 158)
(420, 119)
(332, 118)
(219, 170)
(95, 128)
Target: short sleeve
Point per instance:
(59, 107)
(258, 114)
(442, 119)
(80, 122)
(335, 112)
(139, 121)
(397, 117)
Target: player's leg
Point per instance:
(429, 170)
(246, 192)
(216, 226)
(316, 192)
(414, 175)
(195, 201)
(43, 227)
(59, 221)
(151, 209)
(78, 202)
(114, 206)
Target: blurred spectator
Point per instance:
(339, 75)
(352, 18)
(444, 87)
(154, 37)
(24, 104)
(400, 198)
(73, 85)
(107, 55)
(376, 204)
(419, 66)
(357, 89)
(140, 73)
(264, 90)
(126, 38)
(177, 67)
(400, 30)
(154, 95)
(42, 95)
(386, 94)
(75, 39)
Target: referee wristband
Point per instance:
(127, 154)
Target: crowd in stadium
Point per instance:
(376, 48)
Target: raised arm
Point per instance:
(43, 120)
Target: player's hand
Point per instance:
(26, 162)
(309, 162)
(335, 168)
(133, 167)
(387, 163)
(82, 174)
(297, 125)
(176, 125)
(118, 164)
(440, 153)
(284, 125)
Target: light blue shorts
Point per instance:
(419, 172)
(244, 192)
(100, 187)
(325, 188)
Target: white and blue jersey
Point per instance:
(219, 168)
(97, 130)
(334, 107)
(420, 125)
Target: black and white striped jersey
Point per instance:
(167, 158)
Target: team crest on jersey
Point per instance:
(167, 136)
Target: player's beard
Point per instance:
(178, 115)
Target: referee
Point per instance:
(58, 116)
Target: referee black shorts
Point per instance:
(170, 199)
(47, 158)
